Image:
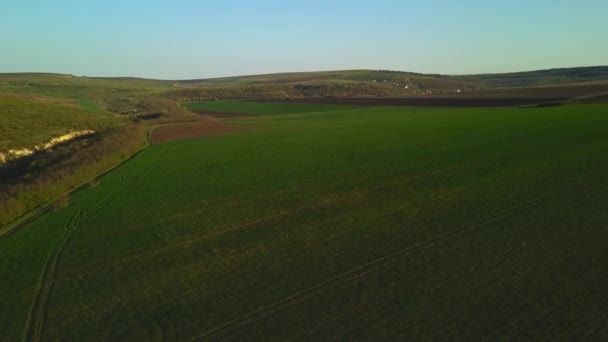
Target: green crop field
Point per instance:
(262, 108)
(373, 223)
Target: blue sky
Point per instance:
(194, 39)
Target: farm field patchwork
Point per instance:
(331, 222)
(262, 108)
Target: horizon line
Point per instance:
(297, 72)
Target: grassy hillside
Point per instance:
(26, 123)
(129, 95)
(115, 95)
(516, 79)
(36, 166)
(555, 83)
(370, 223)
(540, 77)
(379, 76)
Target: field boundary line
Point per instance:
(381, 262)
(31, 216)
(36, 317)
(36, 322)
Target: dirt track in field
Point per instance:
(191, 130)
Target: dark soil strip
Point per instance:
(429, 101)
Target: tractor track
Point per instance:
(231, 327)
(222, 230)
(36, 319)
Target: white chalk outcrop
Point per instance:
(22, 152)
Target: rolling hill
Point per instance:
(130, 95)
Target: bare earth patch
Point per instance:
(191, 130)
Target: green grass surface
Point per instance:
(514, 79)
(90, 105)
(359, 224)
(263, 108)
(25, 123)
(114, 95)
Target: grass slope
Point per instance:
(97, 94)
(129, 95)
(371, 223)
(514, 79)
(25, 123)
